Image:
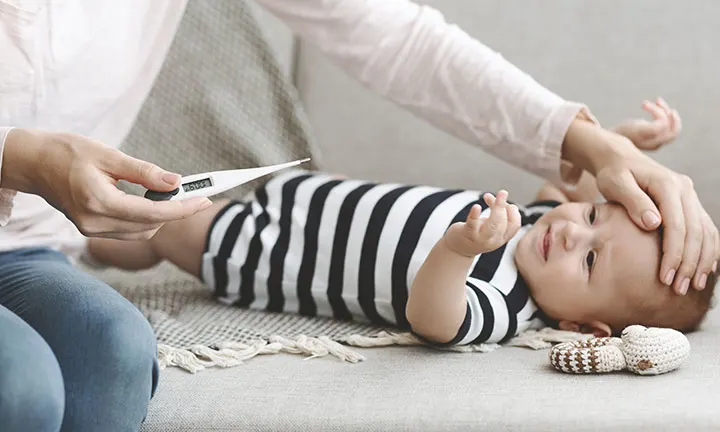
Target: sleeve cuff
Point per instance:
(7, 196)
(552, 167)
(462, 331)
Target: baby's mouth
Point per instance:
(546, 243)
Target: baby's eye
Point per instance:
(590, 259)
(592, 215)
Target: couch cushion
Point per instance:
(421, 389)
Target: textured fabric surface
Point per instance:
(220, 100)
(183, 312)
(411, 389)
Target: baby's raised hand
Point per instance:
(651, 135)
(480, 235)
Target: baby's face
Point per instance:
(588, 262)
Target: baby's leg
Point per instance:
(126, 255)
(181, 242)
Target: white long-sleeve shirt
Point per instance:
(86, 66)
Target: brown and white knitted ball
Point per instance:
(641, 350)
(653, 351)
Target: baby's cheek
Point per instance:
(558, 291)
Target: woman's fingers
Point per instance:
(694, 236)
(109, 227)
(131, 208)
(124, 167)
(707, 254)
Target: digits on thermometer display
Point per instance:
(197, 184)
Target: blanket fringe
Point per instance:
(228, 354)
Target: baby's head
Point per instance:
(591, 269)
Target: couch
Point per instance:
(610, 55)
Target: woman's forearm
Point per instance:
(437, 302)
(411, 55)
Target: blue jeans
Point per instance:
(74, 354)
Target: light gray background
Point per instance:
(610, 55)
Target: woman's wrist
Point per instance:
(591, 147)
(22, 159)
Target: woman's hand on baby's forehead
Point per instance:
(481, 235)
(691, 244)
(653, 195)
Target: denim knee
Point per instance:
(127, 345)
(32, 393)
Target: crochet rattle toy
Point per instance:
(641, 350)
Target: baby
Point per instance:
(453, 266)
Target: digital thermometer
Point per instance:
(213, 183)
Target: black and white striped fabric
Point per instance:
(318, 245)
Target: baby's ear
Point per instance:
(596, 328)
(569, 326)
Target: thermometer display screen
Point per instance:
(197, 184)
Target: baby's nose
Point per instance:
(573, 236)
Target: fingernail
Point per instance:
(171, 178)
(669, 277)
(714, 266)
(650, 219)
(684, 286)
(702, 281)
(205, 204)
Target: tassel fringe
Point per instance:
(229, 354)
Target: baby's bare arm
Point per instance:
(437, 302)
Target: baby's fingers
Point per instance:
(489, 199)
(657, 112)
(473, 221)
(672, 115)
(662, 104)
(514, 221)
(493, 230)
(676, 122)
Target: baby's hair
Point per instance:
(684, 313)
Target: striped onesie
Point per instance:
(314, 244)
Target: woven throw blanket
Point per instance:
(195, 331)
(219, 102)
